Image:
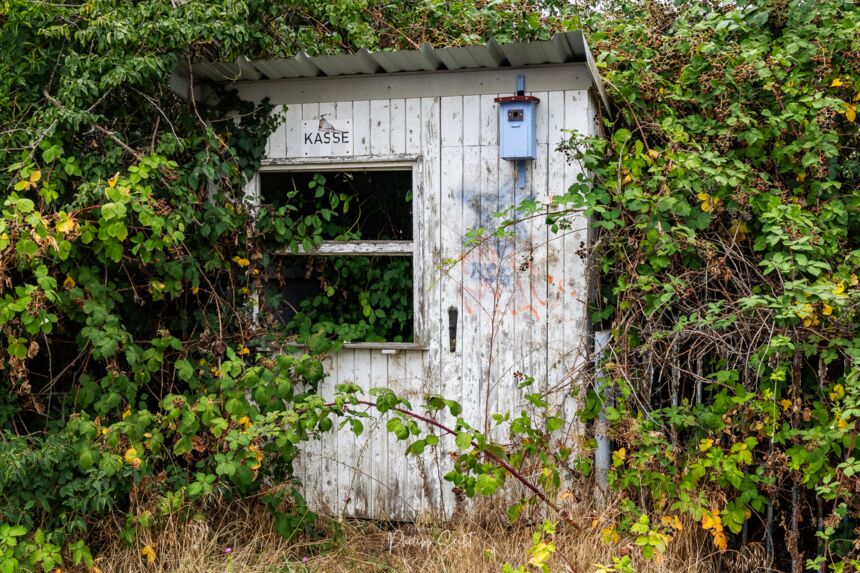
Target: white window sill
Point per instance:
(383, 347)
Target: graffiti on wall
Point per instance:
(505, 274)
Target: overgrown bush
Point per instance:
(131, 383)
(727, 199)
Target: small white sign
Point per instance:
(325, 137)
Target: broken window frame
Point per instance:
(362, 248)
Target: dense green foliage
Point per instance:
(727, 197)
(131, 381)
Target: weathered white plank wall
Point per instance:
(521, 301)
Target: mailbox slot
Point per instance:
(517, 127)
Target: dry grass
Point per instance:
(482, 543)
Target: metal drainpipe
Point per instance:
(603, 452)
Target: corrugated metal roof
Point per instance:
(563, 47)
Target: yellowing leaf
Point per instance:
(195, 290)
(609, 536)
(653, 153)
(711, 520)
(126, 413)
(839, 288)
(35, 176)
(805, 312)
(851, 112)
(857, 96)
(836, 83)
(720, 541)
(69, 283)
(112, 181)
(541, 553)
(245, 351)
(785, 403)
(148, 551)
(705, 445)
(739, 229)
(708, 202)
(241, 261)
(673, 522)
(245, 421)
(618, 456)
(66, 224)
(826, 309)
(130, 455)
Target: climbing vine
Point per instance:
(135, 378)
(726, 200)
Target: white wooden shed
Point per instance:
(520, 302)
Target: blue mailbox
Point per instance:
(517, 127)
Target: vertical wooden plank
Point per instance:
(380, 127)
(430, 251)
(452, 121)
(405, 479)
(542, 117)
(277, 145)
(327, 109)
(480, 278)
(348, 446)
(343, 110)
(363, 487)
(415, 492)
(555, 125)
(414, 129)
(293, 131)
(556, 291)
(575, 321)
(431, 248)
(310, 112)
(380, 485)
(328, 461)
(540, 234)
(451, 240)
(471, 120)
(505, 295)
(361, 127)
(398, 478)
(538, 270)
(484, 283)
(398, 126)
(489, 121)
(413, 125)
(471, 337)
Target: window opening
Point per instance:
(339, 264)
